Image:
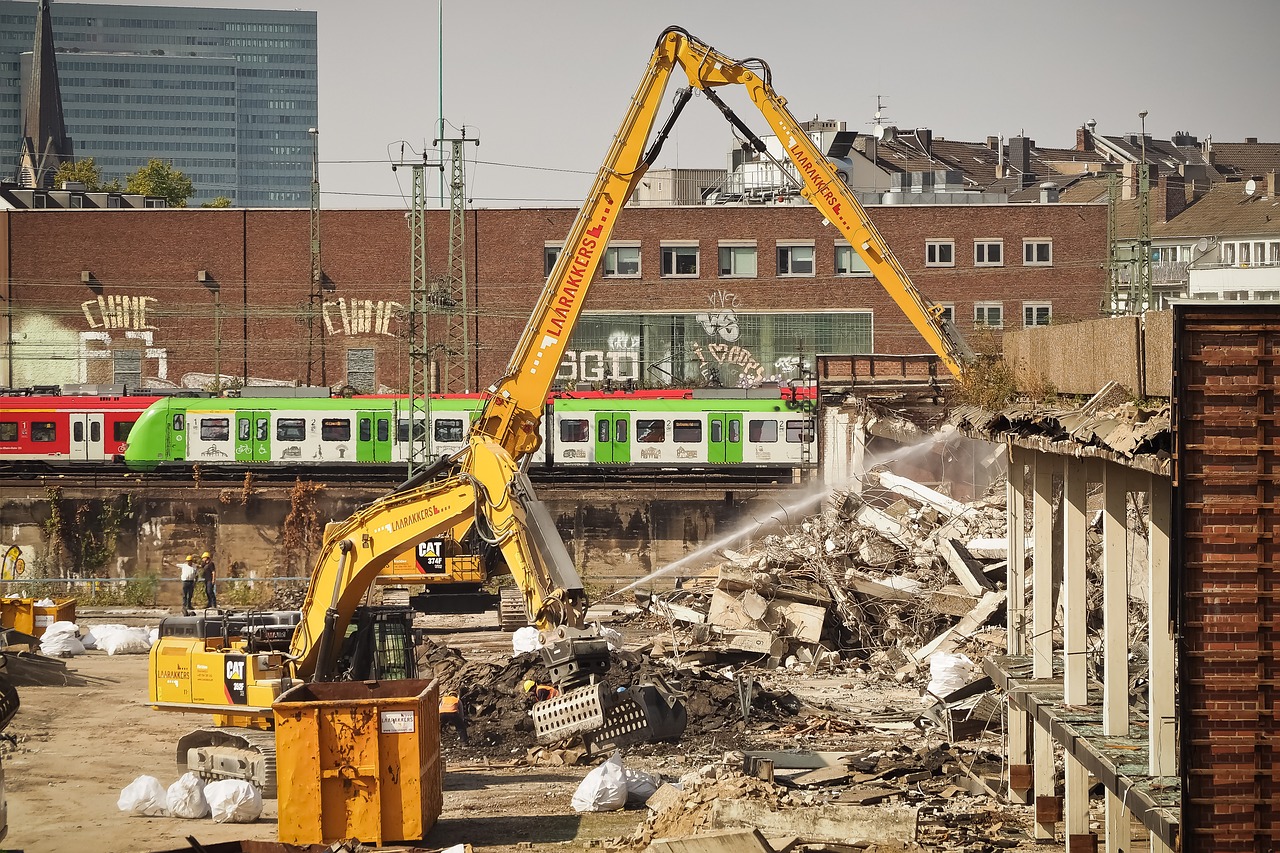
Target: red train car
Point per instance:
(66, 431)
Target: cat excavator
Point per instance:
(235, 666)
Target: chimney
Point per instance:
(1251, 140)
(925, 137)
(1084, 139)
(1048, 193)
(1169, 197)
(1271, 185)
(993, 143)
(1020, 159)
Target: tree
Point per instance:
(159, 178)
(220, 201)
(85, 171)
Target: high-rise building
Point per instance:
(225, 95)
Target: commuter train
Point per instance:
(56, 431)
(669, 430)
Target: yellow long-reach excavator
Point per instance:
(235, 666)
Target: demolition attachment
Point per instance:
(605, 716)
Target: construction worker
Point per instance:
(207, 572)
(539, 692)
(189, 571)
(451, 713)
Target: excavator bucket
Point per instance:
(608, 718)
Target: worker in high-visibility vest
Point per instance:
(451, 713)
(538, 692)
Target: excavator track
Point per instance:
(227, 753)
(512, 615)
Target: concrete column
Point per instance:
(1162, 732)
(1042, 624)
(1074, 608)
(1115, 602)
(1019, 722)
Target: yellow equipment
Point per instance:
(236, 667)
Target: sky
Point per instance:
(544, 84)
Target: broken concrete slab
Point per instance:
(666, 795)
(717, 841)
(827, 823)
(946, 505)
(962, 630)
(966, 569)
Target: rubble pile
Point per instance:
(890, 575)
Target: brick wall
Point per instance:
(144, 266)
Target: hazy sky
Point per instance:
(544, 83)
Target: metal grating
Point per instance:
(1226, 412)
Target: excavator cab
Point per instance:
(378, 646)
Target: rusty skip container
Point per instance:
(358, 759)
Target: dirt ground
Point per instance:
(78, 747)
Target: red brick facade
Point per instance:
(143, 290)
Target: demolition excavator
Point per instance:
(235, 666)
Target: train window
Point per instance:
(366, 429)
(735, 431)
(243, 428)
(402, 431)
(602, 431)
(179, 423)
(77, 432)
(43, 431)
(578, 430)
(687, 431)
(763, 431)
(120, 430)
(800, 431)
(215, 429)
(384, 429)
(449, 429)
(95, 432)
(291, 429)
(8, 430)
(335, 429)
(717, 431)
(651, 431)
(620, 430)
(262, 429)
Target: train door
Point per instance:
(724, 438)
(613, 438)
(373, 436)
(253, 436)
(86, 436)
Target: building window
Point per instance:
(1229, 254)
(988, 314)
(549, 255)
(1037, 253)
(126, 368)
(622, 261)
(1273, 257)
(939, 253)
(737, 261)
(946, 311)
(1036, 314)
(360, 369)
(988, 253)
(795, 259)
(849, 262)
(680, 260)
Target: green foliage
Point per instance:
(85, 171)
(220, 201)
(245, 594)
(134, 592)
(990, 382)
(159, 178)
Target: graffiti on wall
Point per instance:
(362, 316)
(721, 321)
(12, 564)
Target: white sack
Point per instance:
(185, 797)
(947, 674)
(604, 789)
(61, 644)
(130, 641)
(233, 801)
(526, 639)
(144, 797)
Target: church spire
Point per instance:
(45, 144)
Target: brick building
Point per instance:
(735, 294)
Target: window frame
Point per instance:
(948, 311)
(675, 249)
(985, 307)
(550, 254)
(934, 249)
(221, 428)
(686, 431)
(984, 246)
(286, 427)
(571, 427)
(732, 247)
(609, 263)
(656, 431)
(456, 430)
(841, 248)
(762, 430)
(335, 429)
(787, 247)
(1028, 243)
(1036, 306)
(43, 432)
